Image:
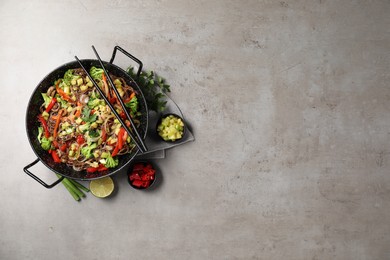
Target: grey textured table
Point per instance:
(289, 104)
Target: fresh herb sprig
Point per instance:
(87, 117)
(153, 87)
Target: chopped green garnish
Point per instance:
(87, 117)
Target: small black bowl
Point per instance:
(130, 170)
(177, 116)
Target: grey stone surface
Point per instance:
(289, 104)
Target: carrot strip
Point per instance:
(132, 95)
(78, 112)
(57, 124)
(130, 98)
(63, 94)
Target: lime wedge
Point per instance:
(102, 188)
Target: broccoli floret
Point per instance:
(94, 102)
(68, 77)
(45, 143)
(111, 162)
(133, 105)
(96, 73)
(87, 150)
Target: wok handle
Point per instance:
(128, 55)
(47, 186)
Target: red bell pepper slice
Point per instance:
(116, 151)
(135, 176)
(119, 143)
(122, 115)
(99, 169)
(91, 169)
(145, 177)
(63, 147)
(55, 156)
(44, 125)
(112, 100)
(137, 183)
(80, 139)
(52, 103)
(102, 168)
(55, 143)
(104, 134)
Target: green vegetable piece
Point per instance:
(67, 89)
(95, 95)
(79, 81)
(111, 162)
(96, 73)
(117, 82)
(87, 150)
(68, 76)
(66, 185)
(94, 102)
(85, 127)
(40, 132)
(78, 121)
(73, 188)
(87, 117)
(133, 105)
(45, 143)
(47, 99)
(78, 185)
(171, 128)
(93, 133)
(105, 155)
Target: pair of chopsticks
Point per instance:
(138, 141)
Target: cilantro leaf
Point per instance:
(87, 117)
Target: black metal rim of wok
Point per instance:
(32, 123)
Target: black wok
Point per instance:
(32, 122)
